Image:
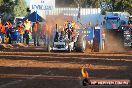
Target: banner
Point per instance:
(42, 5)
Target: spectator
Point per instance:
(20, 28)
(27, 30)
(36, 33)
(2, 32)
(8, 27)
(14, 35)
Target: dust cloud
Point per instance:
(113, 42)
(57, 19)
(51, 21)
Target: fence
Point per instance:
(92, 15)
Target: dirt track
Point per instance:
(60, 70)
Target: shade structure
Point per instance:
(33, 17)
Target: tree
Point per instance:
(6, 6)
(20, 9)
(6, 9)
(12, 8)
(90, 3)
(110, 5)
(1, 2)
(118, 5)
(122, 5)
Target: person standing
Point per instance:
(2, 32)
(27, 30)
(20, 28)
(8, 27)
(36, 33)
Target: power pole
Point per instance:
(79, 9)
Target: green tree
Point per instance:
(6, 9)
(1, 2)
(12, 8)
(118, 5)
(124, 5)
(6, 6)
(20, 8)
(90, 3)
(110, 5)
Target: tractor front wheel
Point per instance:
(80, 44)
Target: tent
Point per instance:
(33, 17)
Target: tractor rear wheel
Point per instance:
(80, 44)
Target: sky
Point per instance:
(28, 2)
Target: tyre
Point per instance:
(48, 48)
(69, 48)
(86, 82)
(80, 44)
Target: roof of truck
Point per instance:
(112, 17)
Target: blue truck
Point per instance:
(112, 22)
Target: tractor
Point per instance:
(69, 39)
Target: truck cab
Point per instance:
(112, 22)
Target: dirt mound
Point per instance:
(10, 46)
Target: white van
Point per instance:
(17, 20)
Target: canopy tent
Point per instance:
(33, 17)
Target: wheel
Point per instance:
(69, 48)
(48, 48)
(86, 82)
(80, 44)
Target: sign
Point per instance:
(97, 27)
(108, 82)
(89, 33)
(42, 5)
(127, 38)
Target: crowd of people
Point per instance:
(22, 32)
